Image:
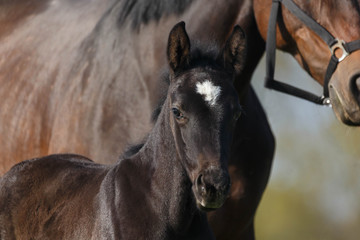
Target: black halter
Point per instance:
(331, 41)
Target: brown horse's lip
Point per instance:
(348, 117)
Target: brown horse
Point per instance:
(161, 192)
(72, 73)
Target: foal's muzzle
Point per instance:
(211, 189)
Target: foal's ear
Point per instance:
(178, 48)
(235, 50)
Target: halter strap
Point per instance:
(330, 40)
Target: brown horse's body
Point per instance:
(69, 87)
(58, 71)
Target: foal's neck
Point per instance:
(161, 153)
(171, 186)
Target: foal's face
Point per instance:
(205, 108)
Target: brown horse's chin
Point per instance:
(347, 112)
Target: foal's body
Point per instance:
(100, 202)
(159, 192)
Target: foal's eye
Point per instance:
(177, 113)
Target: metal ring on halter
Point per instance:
(339, 44)
(326, 101)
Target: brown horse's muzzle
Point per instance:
(344, 89)
(211, 189)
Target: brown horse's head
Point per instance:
(341, 18)
(204, 109)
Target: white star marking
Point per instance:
(209, 91)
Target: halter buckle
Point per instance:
(339, 44)
(326, 101)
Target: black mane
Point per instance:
(143, 11)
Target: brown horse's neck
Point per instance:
(143, 43)
(255, 42)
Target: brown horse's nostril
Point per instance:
(355, 86)
(357, 81)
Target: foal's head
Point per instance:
(204, 109)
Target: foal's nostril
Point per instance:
(212, 186)
(205, 187)
(200, 184)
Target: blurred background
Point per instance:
(314, 188)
